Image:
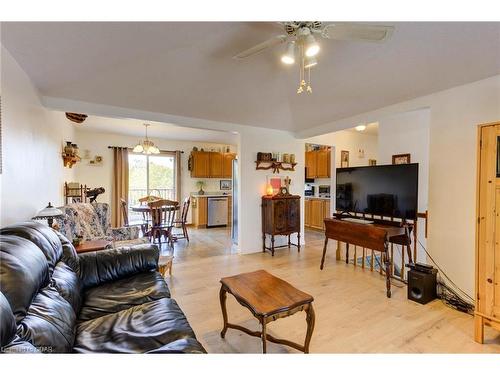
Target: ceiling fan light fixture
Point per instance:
(289, 57)
(310, 62)
(312, 47)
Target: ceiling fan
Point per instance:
(301, 41)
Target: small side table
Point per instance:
(165, 264)
(93, 245)
(268, 298)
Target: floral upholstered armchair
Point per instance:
(92, 221)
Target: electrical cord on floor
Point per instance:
(449, 296)
(392, 280)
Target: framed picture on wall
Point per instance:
(401, 159)
(344, 159)
(276, 182)
(226, 184)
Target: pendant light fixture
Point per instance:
(146, 146)
(304, 49)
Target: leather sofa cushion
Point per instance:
(68, 284)
(7, 323)
(122, 294)
(50, 323)
(41, 235)
(139, 329)
(23, 271)
(99, 267)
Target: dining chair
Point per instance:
(162, 216)
(124, 208)
(149, 198)
(182, 220)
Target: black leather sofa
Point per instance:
(110, 301)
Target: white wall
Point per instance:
(32, 140)
(454, 116)
(253, 182)
(346, 140)
(408, 133)
(102, 175)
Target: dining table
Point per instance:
(145, 209)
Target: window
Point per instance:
(151, 175)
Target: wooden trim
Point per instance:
(481, 318)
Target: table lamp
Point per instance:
(49, 213)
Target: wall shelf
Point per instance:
(276, 166)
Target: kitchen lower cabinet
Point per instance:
(315, 211)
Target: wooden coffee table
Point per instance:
(268, 298)
(92, 245)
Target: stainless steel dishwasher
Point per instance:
(217, 212)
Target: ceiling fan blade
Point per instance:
(274, 41)
(356, 31)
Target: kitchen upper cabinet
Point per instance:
(200, 164)
(318, 164)
(215, 160)
(311, 164)
(323, 163)
(211, 164)
(227, 165)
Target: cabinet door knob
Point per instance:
(489, 280)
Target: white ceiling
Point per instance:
(186, 69)
(155, 130)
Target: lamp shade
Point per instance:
(49, 211)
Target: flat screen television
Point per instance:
(386, 190)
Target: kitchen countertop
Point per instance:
(210, 195)
(322, 198)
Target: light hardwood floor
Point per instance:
(352, 313)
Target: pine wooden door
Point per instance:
(488, 231)
(216, 161)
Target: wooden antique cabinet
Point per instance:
(318, 164)
(280, 216)
(207, 164)
(487, 306)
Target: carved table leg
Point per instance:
(222, 298)
(272, 244)
(310, 319)
(289, 240)
(263, 336)
(298, 242)
(347, 253)
(263, 242)
(324, 253)
(387, 274)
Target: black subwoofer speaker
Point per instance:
(422, 286)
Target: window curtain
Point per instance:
(178, 192)
(120, 184)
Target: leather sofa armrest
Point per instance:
(98, 267)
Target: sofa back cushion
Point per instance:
(42, 236)
(7, 322)
(23, 271)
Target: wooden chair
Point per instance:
(183, 219)
(124, 209)
(149, 198)
(162, 216)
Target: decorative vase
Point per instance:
(201, 192)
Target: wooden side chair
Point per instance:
(162, 215)
(182, 220)
(149, 198)
(124, 209)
